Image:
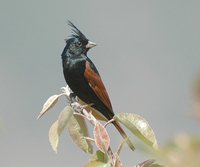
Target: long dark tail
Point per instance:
(123, 134)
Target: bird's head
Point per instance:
(78, 44)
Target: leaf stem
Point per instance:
(120, 146)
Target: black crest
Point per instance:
(76, 31)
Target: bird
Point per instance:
(84, 80)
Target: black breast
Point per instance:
(73, 70)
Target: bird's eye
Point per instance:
(79, 44)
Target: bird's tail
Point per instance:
(123, 134)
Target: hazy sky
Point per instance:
(148, 55)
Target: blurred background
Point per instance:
(147, 54)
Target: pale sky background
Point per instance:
(148, 54)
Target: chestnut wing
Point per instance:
(95, 82)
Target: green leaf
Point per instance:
(78, 130)
(100, 156)
(51, 101)
(96, 164)
(98, 160)
(117, 162)
(64, 118)
(58, 127)
(53, 136)
(138, 126)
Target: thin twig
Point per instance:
(79, 114)
(119, 148)
(90, 139)
(110, 121)
(110, 152)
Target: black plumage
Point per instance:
(74, 59)
(83, 78)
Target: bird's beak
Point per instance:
(90, 45)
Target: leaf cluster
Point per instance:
(73, 119)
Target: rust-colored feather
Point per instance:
(97, 85)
